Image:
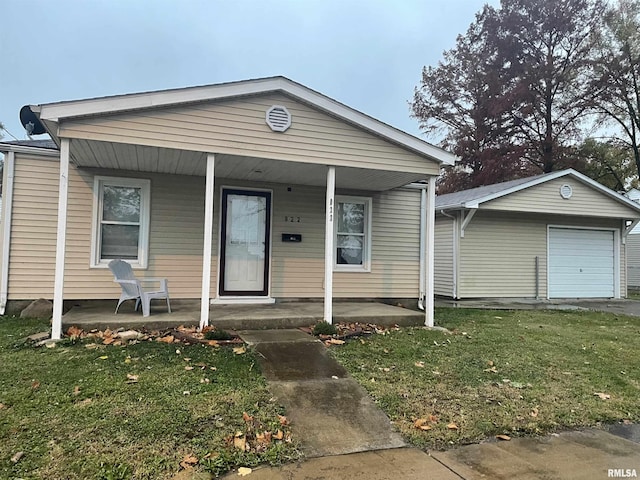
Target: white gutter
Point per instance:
(7, 202)
(423, 263)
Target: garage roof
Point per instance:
(474, 197)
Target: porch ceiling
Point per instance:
(139, 158)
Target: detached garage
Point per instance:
(556, 235)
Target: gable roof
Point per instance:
(474, 197)
(54, 112)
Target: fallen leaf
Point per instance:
(419, 364)
(74, 332)
(240, 442)
(492, 370)
(279, 435)
(246, 417)
(506, 438)
(213, 343)
(84, 402)
(517, 385)
(283, 420)
(16, 458)
(421, 424)
(186, 392)
(433, 418)
(603, 396)
(188, 367)
(35, 385)
(104, 357)
(244, 471)
(239, 350)
(178, 351)
(335, 341)
(166, 339)
(2, 405)
(76, 390)
(188, 461)
(534, 412)
(132, 378)
(452, 426)
(490, 363)
(264, 438)
(91, 346)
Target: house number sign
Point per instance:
(290, 219)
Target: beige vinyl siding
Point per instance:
(497, 253)
(633, 260)
(176, 235)
(238, 127)
(298, 268)
(444, 261)
(545, 198)
(32, 253)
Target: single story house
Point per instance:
(555, 235)
(249, 191)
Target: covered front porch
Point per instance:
(256, 167)
(100, 315)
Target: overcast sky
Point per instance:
(367, 54)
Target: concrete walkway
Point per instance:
(621, 306)
(344, 434)
(330, 412)
(582, 455)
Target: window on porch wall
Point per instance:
(353, 234)
(121, 221)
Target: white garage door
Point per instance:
(581, 263)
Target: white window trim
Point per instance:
(145, 215)
(366, 254)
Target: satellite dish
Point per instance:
(30, 122)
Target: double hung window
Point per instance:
(121, 221)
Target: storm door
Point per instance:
(245, 234)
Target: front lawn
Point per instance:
(83, 410)
(501, 373)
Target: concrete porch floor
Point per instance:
(99, 314)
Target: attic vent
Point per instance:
(278, 118)
(566, 191)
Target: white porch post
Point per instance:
(7, 205)
(61, 241)
(430, 247)
(208, 233)
(328, 245)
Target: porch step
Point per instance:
(237, 317)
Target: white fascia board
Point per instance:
(121, 103)
(47, 152)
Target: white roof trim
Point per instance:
(47, 152)
(120, 103)
(475, 203)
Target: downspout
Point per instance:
(454, 267)
(7, 201)
(423, 264)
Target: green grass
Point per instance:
(73, 414)
(548, 365)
